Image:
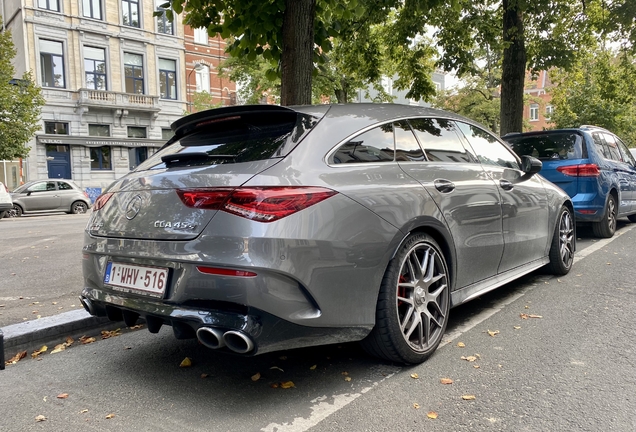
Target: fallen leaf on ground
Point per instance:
(432, 415)
(186, 362)
(58, 348)
(476, 366)
(135, 327)
(274, 385)
(287, 384)
(36, 353)
(276, 367)
(53, 303)
(526, 316)
(16, 358)
(416, 405)
(461, 344)
(110, 416)
(348, 378)
(110, 333)
(446, 381)
(517, 327)
(83, 411)
(86, 340)
(256, 376)
(40, 418)
(62, 396)
(313, 367)
(469, 358)
(414, 376)
(468, 397)
(345, 373)
(69, 341)
(493, 333)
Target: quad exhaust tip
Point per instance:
(211, 337)
(215, 338)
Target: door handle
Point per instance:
(444, 186)
(506, 185)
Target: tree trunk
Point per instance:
(297, 52)
(341, 96)
(513, 68)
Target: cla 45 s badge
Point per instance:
(174, 225)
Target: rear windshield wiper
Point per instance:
(193, 158)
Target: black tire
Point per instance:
(411, 298)
(16, 211)
(632, 218)
(562, 248)
(79, 207)
(607, 226)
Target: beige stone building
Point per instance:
(113, 77)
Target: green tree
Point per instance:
(20, 104)
(600, 90)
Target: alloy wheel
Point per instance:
(566, 238)
(611, 215)
(421, 303)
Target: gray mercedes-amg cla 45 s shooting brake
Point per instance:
(263, 228)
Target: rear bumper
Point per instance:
(5, 206)
(268, 332)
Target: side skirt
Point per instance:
(482, 287)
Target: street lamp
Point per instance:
(197, 67)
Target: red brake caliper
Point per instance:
(401, 291)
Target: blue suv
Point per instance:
(590, 164)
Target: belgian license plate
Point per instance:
(148, 280)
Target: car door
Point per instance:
(41, 196)
(624, 172)
(462, 190)
(629, 172)
(67, 195)
(523, 199)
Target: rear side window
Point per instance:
(373, 146)
(612, 148)
(64, 186)
(407, 148)
(556, 146)
(440, 140)
(233, 139)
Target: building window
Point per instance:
(52, 5)
(136, 156)
(201, 35)
(164, 25)
(55, 128)
(549, 110)
(92, 9)
(167, 79)
(100, 158)
(130, 12)
(166, 134)
(99, 130)
(534, 112)
(52, 63)
(134, 72)
(203, 78)
(136, 132)
(95, 68)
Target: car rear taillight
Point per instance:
(263, 204)
(102, 200)
(583, 170)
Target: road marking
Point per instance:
(321, 409)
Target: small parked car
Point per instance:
(592, 165)
(40, 196)
(6, 203)
(263, 228)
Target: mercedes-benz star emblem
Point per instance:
(133, 207)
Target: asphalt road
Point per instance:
(573, 369)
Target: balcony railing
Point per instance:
(110, 99)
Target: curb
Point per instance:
(31, 335)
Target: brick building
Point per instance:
(538, 109)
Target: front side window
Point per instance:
(373, 146)
(164, 25)
(201, 35)
(100, 158)
(42, 187)
(52, 63)
(52, 5)
(625, 153)
(167, 79)
(130, 12)
(440, 140)
(487, 148)
(92, 9)
(203, 78)
(95, 68)
(56, 128)
(612, 148)
(534, 112)
(134, 73)
(99, 130)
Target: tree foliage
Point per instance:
(601, 91)
(20, 105)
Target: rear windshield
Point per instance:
(550, 146)
(234, 139)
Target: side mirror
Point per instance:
(28, 193)
(530, 165)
